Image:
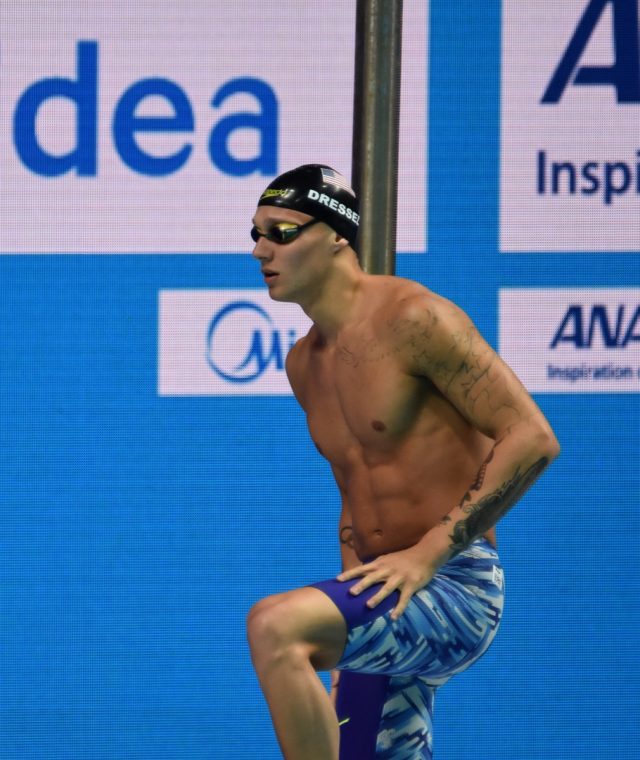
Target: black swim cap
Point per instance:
(319, 191)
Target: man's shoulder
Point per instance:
(405, 303)
(299, 348)
(298, 355)
(295, 363)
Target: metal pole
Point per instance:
(376, 115)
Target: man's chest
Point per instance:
(360, 396)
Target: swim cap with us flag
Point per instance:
(319, 191)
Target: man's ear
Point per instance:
(340, 243)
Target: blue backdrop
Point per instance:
(137, 530)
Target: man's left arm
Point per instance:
(438, 341)
(455, 357)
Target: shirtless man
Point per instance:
(431, 439)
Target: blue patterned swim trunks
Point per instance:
(392, 668)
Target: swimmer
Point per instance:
(431, 439)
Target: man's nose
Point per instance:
(261, 250)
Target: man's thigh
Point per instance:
(446, 626)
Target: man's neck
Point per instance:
(338, 301)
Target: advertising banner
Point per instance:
(225, 342)
(570, 155)
(561, 340)
(153, 127)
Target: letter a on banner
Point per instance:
(624, 74)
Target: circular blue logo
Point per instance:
(263, 345)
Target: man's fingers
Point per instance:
(355, 572)
(405, 596)
(390, 586)
(369, 580)
(347, 575)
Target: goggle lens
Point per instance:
(281, 233)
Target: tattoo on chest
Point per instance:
(486, 512)
(348, 357)
(346, 536)
(369, 351)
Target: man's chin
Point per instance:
(282, 297)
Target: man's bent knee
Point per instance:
(302, 622)
(268, 629)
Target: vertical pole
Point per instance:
(376, 116)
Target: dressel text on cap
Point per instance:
(334, 205)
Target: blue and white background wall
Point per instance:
(156, 477)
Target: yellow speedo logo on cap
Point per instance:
(274, 193)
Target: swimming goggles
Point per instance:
(281, 233)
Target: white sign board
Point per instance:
(570, 155)
(569, 340)
(154, 126)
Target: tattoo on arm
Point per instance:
(486, 512)
(477, 483)
(346, 536)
